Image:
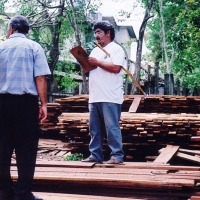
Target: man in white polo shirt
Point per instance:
(105, 95)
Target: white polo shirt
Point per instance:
(105, 86)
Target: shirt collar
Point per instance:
(17, 35)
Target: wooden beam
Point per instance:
(134, 106)
(190, 151)
(167, 154)
(188, 157)
(194, 197)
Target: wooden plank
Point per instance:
(62, 173)
(61, 153)
(188, 157)
(121, 182)
(190, 151)
(61, 196)
(167, 154)
(108, 171)
(152, 165)
(74, 164)
(54, 152)
(134, 106)
(53, 196)
(195, 139)
(195, 198)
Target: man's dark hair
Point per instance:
(105, 26)
(19, 23)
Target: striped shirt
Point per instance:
(21, 60)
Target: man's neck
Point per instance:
(105, 43)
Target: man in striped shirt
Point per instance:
(23, 67)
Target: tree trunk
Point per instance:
(77, 37)
(149, 79)
(169, 84)
(126, 75)
(156, 78)
(163, 37)
(54, 53)
(147, 16)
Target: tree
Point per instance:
(186, 39)
(149, 4)
(52, 22)
(126, 13)
(147, 16)
(180, 25)
(76, 13)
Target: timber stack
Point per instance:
(162, 130)
(158, 121)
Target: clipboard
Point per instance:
(81, 56)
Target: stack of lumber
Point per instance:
(150, 104)
(159, 120)
(77, 103)
(166, 104)
(54, 110)
(160, 128)
(136, 180)
(138, 130)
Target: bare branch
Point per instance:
(50, 7)
(43, 21)
(4, 14)
(145, 21)
(29, 16)
(87, 7)
(37, 19)
(41, 25)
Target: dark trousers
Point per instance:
(19, 131)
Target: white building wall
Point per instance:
(122, 37)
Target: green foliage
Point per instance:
(65, 82)
(89, 46)
(27, 8)
(2, 5)
(182, 25)
(186, 39)
(154, 41)
(74, 157)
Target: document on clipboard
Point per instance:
(81, 56)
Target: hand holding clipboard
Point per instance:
(81, 56)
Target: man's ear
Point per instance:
(108, 32)
(10, 32)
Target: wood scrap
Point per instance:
(134, 106)
(188, 157)
(189, 151)
(167, 154)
